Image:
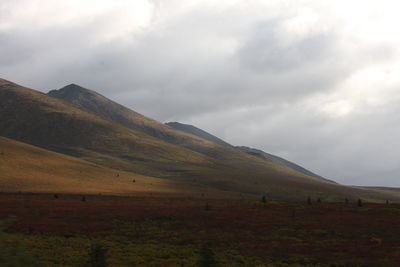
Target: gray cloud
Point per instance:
(15, 43)
(236, 70)
(266, 51)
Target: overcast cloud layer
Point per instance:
(317, 83)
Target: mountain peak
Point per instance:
(72, 91)
(72, 86)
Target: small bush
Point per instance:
(207, 257)
(264, 199)
(97, 256)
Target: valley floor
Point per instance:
(71, 230)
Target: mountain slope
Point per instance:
(280, 161)
(198, 132)
(252, 151)
(27, 168)
(106, 108)
(94, 102)
(36, 118)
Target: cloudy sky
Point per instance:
(317, 82)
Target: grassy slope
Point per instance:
(94, 102)
(28, 168)
(38, 119)
(33, 117)
(102, 106)
(187, 128)
(276, 172)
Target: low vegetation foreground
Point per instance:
(76, 230)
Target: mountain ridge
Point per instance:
(63, 127)
(198, 132)
(98, 104)
(35, 118)
(252, 151)
(281, 161)
(92, 101)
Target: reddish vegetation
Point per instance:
(329, 232)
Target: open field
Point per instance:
(168, 231)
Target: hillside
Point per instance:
(252, 151)
(35, 118)
(94, 102)
(26, 168)
(280, 161)
(48, 122)
(198, 132)
(195, 139)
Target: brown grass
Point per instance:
(28, 168)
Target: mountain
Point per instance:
(92, 101)
(280, 161)
(48, 122)
(252, 151)
(198, 132)
(26, 168)
(105, 108)
(32, 117)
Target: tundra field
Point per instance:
(162, 230)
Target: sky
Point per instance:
(316, 82)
